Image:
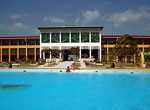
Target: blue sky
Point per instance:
(22, 17)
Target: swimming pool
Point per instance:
(78, 90)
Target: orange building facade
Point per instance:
(109, 41)
(20, 47)
(23, 47)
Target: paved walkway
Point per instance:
(82, 64)
(62, 65)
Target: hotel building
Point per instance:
(88, 39)
(19, 47)
(91, 42)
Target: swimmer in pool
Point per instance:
(68, 69)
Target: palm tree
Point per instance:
(125, 45)
(54, 53)
(47, 51)
(75, 52)
(147, 51)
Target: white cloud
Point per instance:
(18, 16)
(90, 15)
(77, 20)
(130, 16)
(19, 26)
(15, 27)
(53, 19)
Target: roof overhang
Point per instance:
(20, 37)
(63, 27)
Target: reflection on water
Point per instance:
(13, 86)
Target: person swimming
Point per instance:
(68, 69)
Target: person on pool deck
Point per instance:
(75, 67)
(68, 69)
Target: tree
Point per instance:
(75, 52)
(126, 45)
(147, 51)
(47, 51)
(54, 53)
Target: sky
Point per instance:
(119, 17)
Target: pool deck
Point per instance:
(123, 69)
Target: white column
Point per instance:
(90, 36)
(60, 37)
(60, 53)
(90, 51)
(50, 56)
(44, 55)
(79, 36)
(100, 53)
(40, 47)
(80, 52)
(50, 35)
(100, 56)
(100, 37)
(70, 37)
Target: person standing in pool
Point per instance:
(68, 69)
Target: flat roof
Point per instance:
(20, 37)
(103, 36)
(119, 36)
(61, 27)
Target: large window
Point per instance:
(14, 42)
(104, 41)
(55, 38)
(22, 50)
(31, 50)
(111, 41)
(14, 50)
(139, 41)
(37, 42)
(104, 50)
(5, 51)
(45, 37)
(84, 37)
(129, 58)
(31, 42)
(94, 37)
(5, 42)
(22, 42)
(64, 37)
(74, 37)
(37, 50)
(146, 41)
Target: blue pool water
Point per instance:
(79, 90)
